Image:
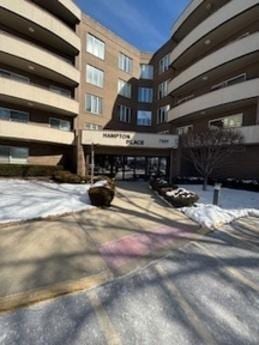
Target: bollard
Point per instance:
(216, 193)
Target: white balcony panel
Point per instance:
(234, 93)
(235, 50)
(22, 49)
(225, 13)
(39, 16)
(36, 96)
(30, 132)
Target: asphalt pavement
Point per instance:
(205, 293)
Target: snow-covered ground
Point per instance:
(21, 200)
(233, 204)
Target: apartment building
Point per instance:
(38, 78)
(70, 87)
(117, 106)
(215, 76)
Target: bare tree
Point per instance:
(208, 150)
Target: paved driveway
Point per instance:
(41, 259)
(203, 294)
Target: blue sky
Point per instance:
(144, 23)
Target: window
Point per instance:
(60, 124)
(163, 89)
(145, 95)
(125, 63)
(124, 113)
(14, 76)
(95, 46)
(94, 76)
(12, 154)
(227, 122)
(146, 71)
(144, 118)
(124, 88)
(93, 127)
(13, 115)
(164, 64)
(237, 79)
(61, 91)
(184, 99)
(162, 115)
(184, 129)
(94, 104)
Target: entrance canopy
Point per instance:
(129, 139)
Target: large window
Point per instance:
(61, 91)
(13, 115)
(162, 114)
(14, 76)
(64, 125)
(227, 121)
(124, 88)
(124, 113)
(94, 104)
(163, 89)
(146, 71)
(13, 154)
(184, 129)
(125, 63)
(164, 64)
(95, 46)
(144, 118)
(145, 94)
(235, 80)
(94, 76)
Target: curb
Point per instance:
(27, 298)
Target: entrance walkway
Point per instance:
(42, 259)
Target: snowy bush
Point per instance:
(181, 197)
(158, 183)
(65, 176)
(101, 196)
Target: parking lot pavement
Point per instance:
(205, 293)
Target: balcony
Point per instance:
(33, 21)
(250, 134)
(67, 10)
(219, 25)
(17, 92)
(238, 92)
(30, 132)
(22, 54)
(229, 53)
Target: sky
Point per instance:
(144, 23)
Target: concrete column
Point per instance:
(175, 163)
(81, 163)
(257, 112)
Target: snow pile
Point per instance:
(234, 204)
(180, 192)
(22, 200)
(212, 216)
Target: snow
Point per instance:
(23, 200)
(180, 192)
(233, 204)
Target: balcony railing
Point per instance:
(32, 132)
(38, 96)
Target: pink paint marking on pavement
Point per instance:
(119, 252)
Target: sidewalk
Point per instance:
(43, 259)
